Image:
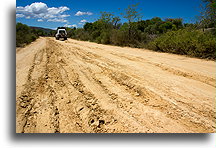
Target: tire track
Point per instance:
(190, 75)
(137, 91)
(26, 101)
(81, 87)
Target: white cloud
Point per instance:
(70, 26)
(54, 10)
(83, 21)
(40, 20)
(57, 20)
(19, 15)
(41, 11)
(79, 13)
(64, 15)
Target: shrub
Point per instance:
(119, 37)
(105, 37)
(189, 42)
(24, 35)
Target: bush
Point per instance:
(119, 37)
(189, 42)
(105, 37)
(81, 34)
(24, 35)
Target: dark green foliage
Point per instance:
(70, 32)
(118, 37)
(177, 22)
(186, 42)
(81, 34)
(24, 35)
(88, 26)
(169, 35)
(104, 38)
(38, 32)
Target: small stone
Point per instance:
(137, 94)
(146, 100)
(92, 121)
(101, 122)
(81, 108)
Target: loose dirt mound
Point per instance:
(78, 87)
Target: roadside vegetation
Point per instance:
(163, 35)
(168, 35)
(186, 42)
(26, 34)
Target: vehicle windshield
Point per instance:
(61, 31)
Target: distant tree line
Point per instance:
(163, 35)
(108, 30)
(26, 34)
(168, 35)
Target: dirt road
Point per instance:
(81, 87)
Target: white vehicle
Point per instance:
(61, 33)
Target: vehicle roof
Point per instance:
(61, 28)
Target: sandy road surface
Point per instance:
(75, 87)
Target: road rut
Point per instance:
(81, 87)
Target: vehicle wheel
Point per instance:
(65, 38)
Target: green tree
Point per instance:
(106, 17)
(88, 26)
(178, 22)
(132, 14)
(141, 25)
(24, 35)
(156, 20)
(115, 22)
(208, 14)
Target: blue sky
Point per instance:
(54, 13)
